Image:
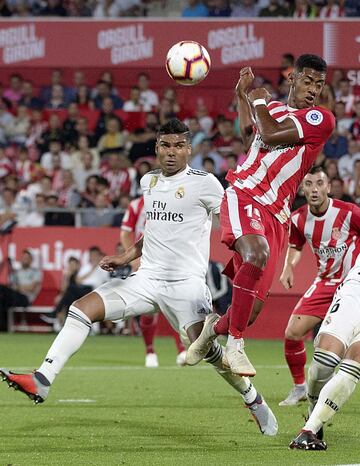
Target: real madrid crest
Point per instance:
(180, 193)
(153, 181)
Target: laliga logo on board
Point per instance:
(237, 43)
(20, 43)
(126, 44)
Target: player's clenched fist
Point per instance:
(259, 93)
(110, 263)
(245, 81)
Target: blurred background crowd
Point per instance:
(186, 8)
(69, 147)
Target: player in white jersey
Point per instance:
(337, 344)
(179, 203)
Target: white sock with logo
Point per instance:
(75, 331)
(334, 394)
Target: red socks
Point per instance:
(295, 355)
(148, 324)
(243, 297)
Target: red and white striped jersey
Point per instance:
(334, 237)
(271, 174)
(135, 217)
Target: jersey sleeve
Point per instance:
(211, 194)
(314, 125)
(296, 238)
(130, 219)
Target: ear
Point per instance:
(291, 78)
(156, 148)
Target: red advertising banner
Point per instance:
(144, 43)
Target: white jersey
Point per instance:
(178, 212)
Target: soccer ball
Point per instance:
(188, 62)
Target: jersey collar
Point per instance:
(324, 215)
(175, 177)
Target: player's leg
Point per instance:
(148, 325)
(295, 354)
(104, 303)
(195, 296)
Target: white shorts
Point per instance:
(183, 302)
(343, 317)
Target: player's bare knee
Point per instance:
(353, 352)
(293, 334)
(92, 306)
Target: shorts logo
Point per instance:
(336, 233)
(180, 193)
(314, 117)
(327, 321)
(255, 224)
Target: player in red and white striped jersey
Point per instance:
(132, 228)
(332, 229)
(256, 207)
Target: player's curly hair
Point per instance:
(173, 126)
(311, 61)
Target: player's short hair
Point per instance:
(311, 61)
(316, 169)
(174, 126)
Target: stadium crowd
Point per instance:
(192, 8)
(64, 147)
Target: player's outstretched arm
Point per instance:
(272, 132)
(287, 275)
(246, 118)
(110, 263)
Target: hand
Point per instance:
(111, 263)
(287, 278)
(245, 81)
(259, 93)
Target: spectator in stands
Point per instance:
(346, 162)
(207, 150)
(82, 130)
(4, 9)
(347, 96)
(38, 126)
(354, 131)
(83, 98)
(25, 169)
(166, 111)
(353, 183)
(304, 9)
(274, 9)
(69, 125)
(352, 8)
(101, 216)
(237, 148)
(205, 120)
(103, 89)
(331, 10)
(78, 81)
(24, 286)
(219, 8)
(14, 92)
(336, 146)
(337, 190)
(88, 195)
(224, 137)
(69, 196)
(8, 205)
(78, 8)
(343, 121)
(56, 79)
(106, 9)
(6, 166)
(114, 138)
(337, 76)
(286, 66)
(209, 166)
(245, 9)
(327, 98)
(57, 99)
(331, 168)
(170, 94)
(16, 132)
(197, 135)
(83, 149)
(134, 104)
(6, 119)
(40, 186)
(27, 96)
(36, 217)
(53, 8)
(118, 175)
(143, 140)
(195, 9)
(148, 96)
(55, 149)
(54, 217)
(107, 112)
(54, 132)
(84, 169)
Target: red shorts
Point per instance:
(240, 215)
(316, 300)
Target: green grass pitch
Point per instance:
(107, 409)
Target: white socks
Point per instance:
(334, 394)
(241, 384)
(76, 328)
